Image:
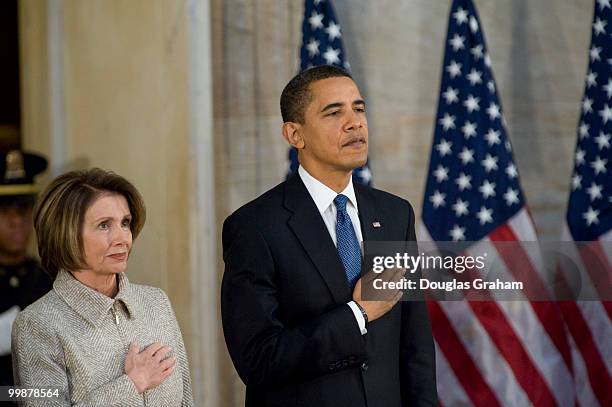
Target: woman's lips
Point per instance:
(118, 256)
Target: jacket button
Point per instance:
(364, 366)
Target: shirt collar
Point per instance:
(87, 302)
(323, 195)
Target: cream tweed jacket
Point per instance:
(76, 339)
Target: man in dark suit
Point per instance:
(296, 325)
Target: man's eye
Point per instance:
(334, 113)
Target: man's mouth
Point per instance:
(355, 142)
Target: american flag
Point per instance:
(488, 353)
(322, 45)
(589, 221)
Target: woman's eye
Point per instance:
(104, 225)
(126, 223)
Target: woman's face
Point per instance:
(107, 238)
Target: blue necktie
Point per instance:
(348, 245)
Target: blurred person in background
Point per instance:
(99, 339)
(22, 280)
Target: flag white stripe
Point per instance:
(525, 232)
(450, 390)
(523, 226)
(601, 329)
(423, 234)
(584, 392)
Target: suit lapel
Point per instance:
(310, 229)
(370, 216)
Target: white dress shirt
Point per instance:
(323, 197)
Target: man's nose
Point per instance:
(355, 121)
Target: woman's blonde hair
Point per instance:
(60, 209)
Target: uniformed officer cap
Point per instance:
(17, 172)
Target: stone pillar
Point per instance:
(207, 348)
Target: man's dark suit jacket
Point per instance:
(290, 334)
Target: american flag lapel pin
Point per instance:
(376, 224)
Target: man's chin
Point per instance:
(359, 163)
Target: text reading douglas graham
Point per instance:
(449, 264)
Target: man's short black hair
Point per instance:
(297, 95)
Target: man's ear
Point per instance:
(292, 132)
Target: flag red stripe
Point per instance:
(517, 262)
(510, 347)
(596, 264)
(465, 369)
(600, 380)
(547, 312)
(608, 307)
